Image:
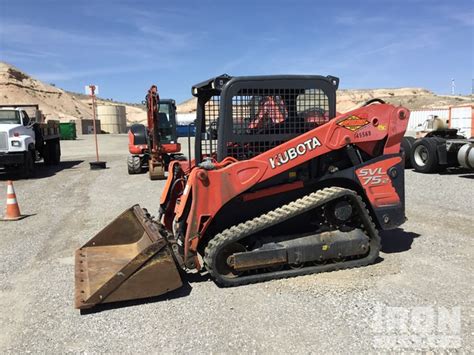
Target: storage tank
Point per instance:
(418, 117)
(113, 118)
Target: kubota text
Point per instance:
(294, 152)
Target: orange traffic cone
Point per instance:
(13, 210)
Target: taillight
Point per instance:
(16, 134)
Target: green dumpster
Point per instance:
(67, 130)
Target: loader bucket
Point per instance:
(128, 259)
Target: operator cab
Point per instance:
(167, 121)
(242, 117)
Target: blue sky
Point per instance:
(125, 46)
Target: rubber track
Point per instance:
(281, 214)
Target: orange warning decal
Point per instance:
(353, 123)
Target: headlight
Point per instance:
(16, 144)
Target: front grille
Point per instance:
(3, 141)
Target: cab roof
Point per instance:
(214, 86)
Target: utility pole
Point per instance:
(92, 87)
(453, 87)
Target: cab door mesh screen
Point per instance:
(209, 137)
(265, 118)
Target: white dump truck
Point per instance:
(26, 138)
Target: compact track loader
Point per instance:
(279, 186)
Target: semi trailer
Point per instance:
(437, 147)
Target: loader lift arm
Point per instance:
(235, 178)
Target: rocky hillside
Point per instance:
(412, 98)
(16, 87)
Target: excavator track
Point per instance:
(238, 232)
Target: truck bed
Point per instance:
(49, 129)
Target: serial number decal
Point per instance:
(353, 123)
(294, 152)
(373, 176)
(362, 134)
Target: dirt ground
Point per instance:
(426, 266)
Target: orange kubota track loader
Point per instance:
(280, 186)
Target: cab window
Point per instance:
(9, 117)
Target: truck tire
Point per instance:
(134, 164)
(407, 147)
(46, 154)
(52, 152)
(424, 156)
(55, 152)
(167, 159)
(29, 166)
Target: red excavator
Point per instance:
(154, 146)
(280, 186)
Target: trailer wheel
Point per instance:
(407, 147)
(134, 164)
(424, 156)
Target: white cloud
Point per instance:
(64, 75)
(65, 50)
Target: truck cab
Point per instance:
(25, 139)
(16, 131)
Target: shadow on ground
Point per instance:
(183, 291)
(42, 170)
(393, 241)
(461, 172)
(397, 240)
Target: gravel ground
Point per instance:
(427, 264)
